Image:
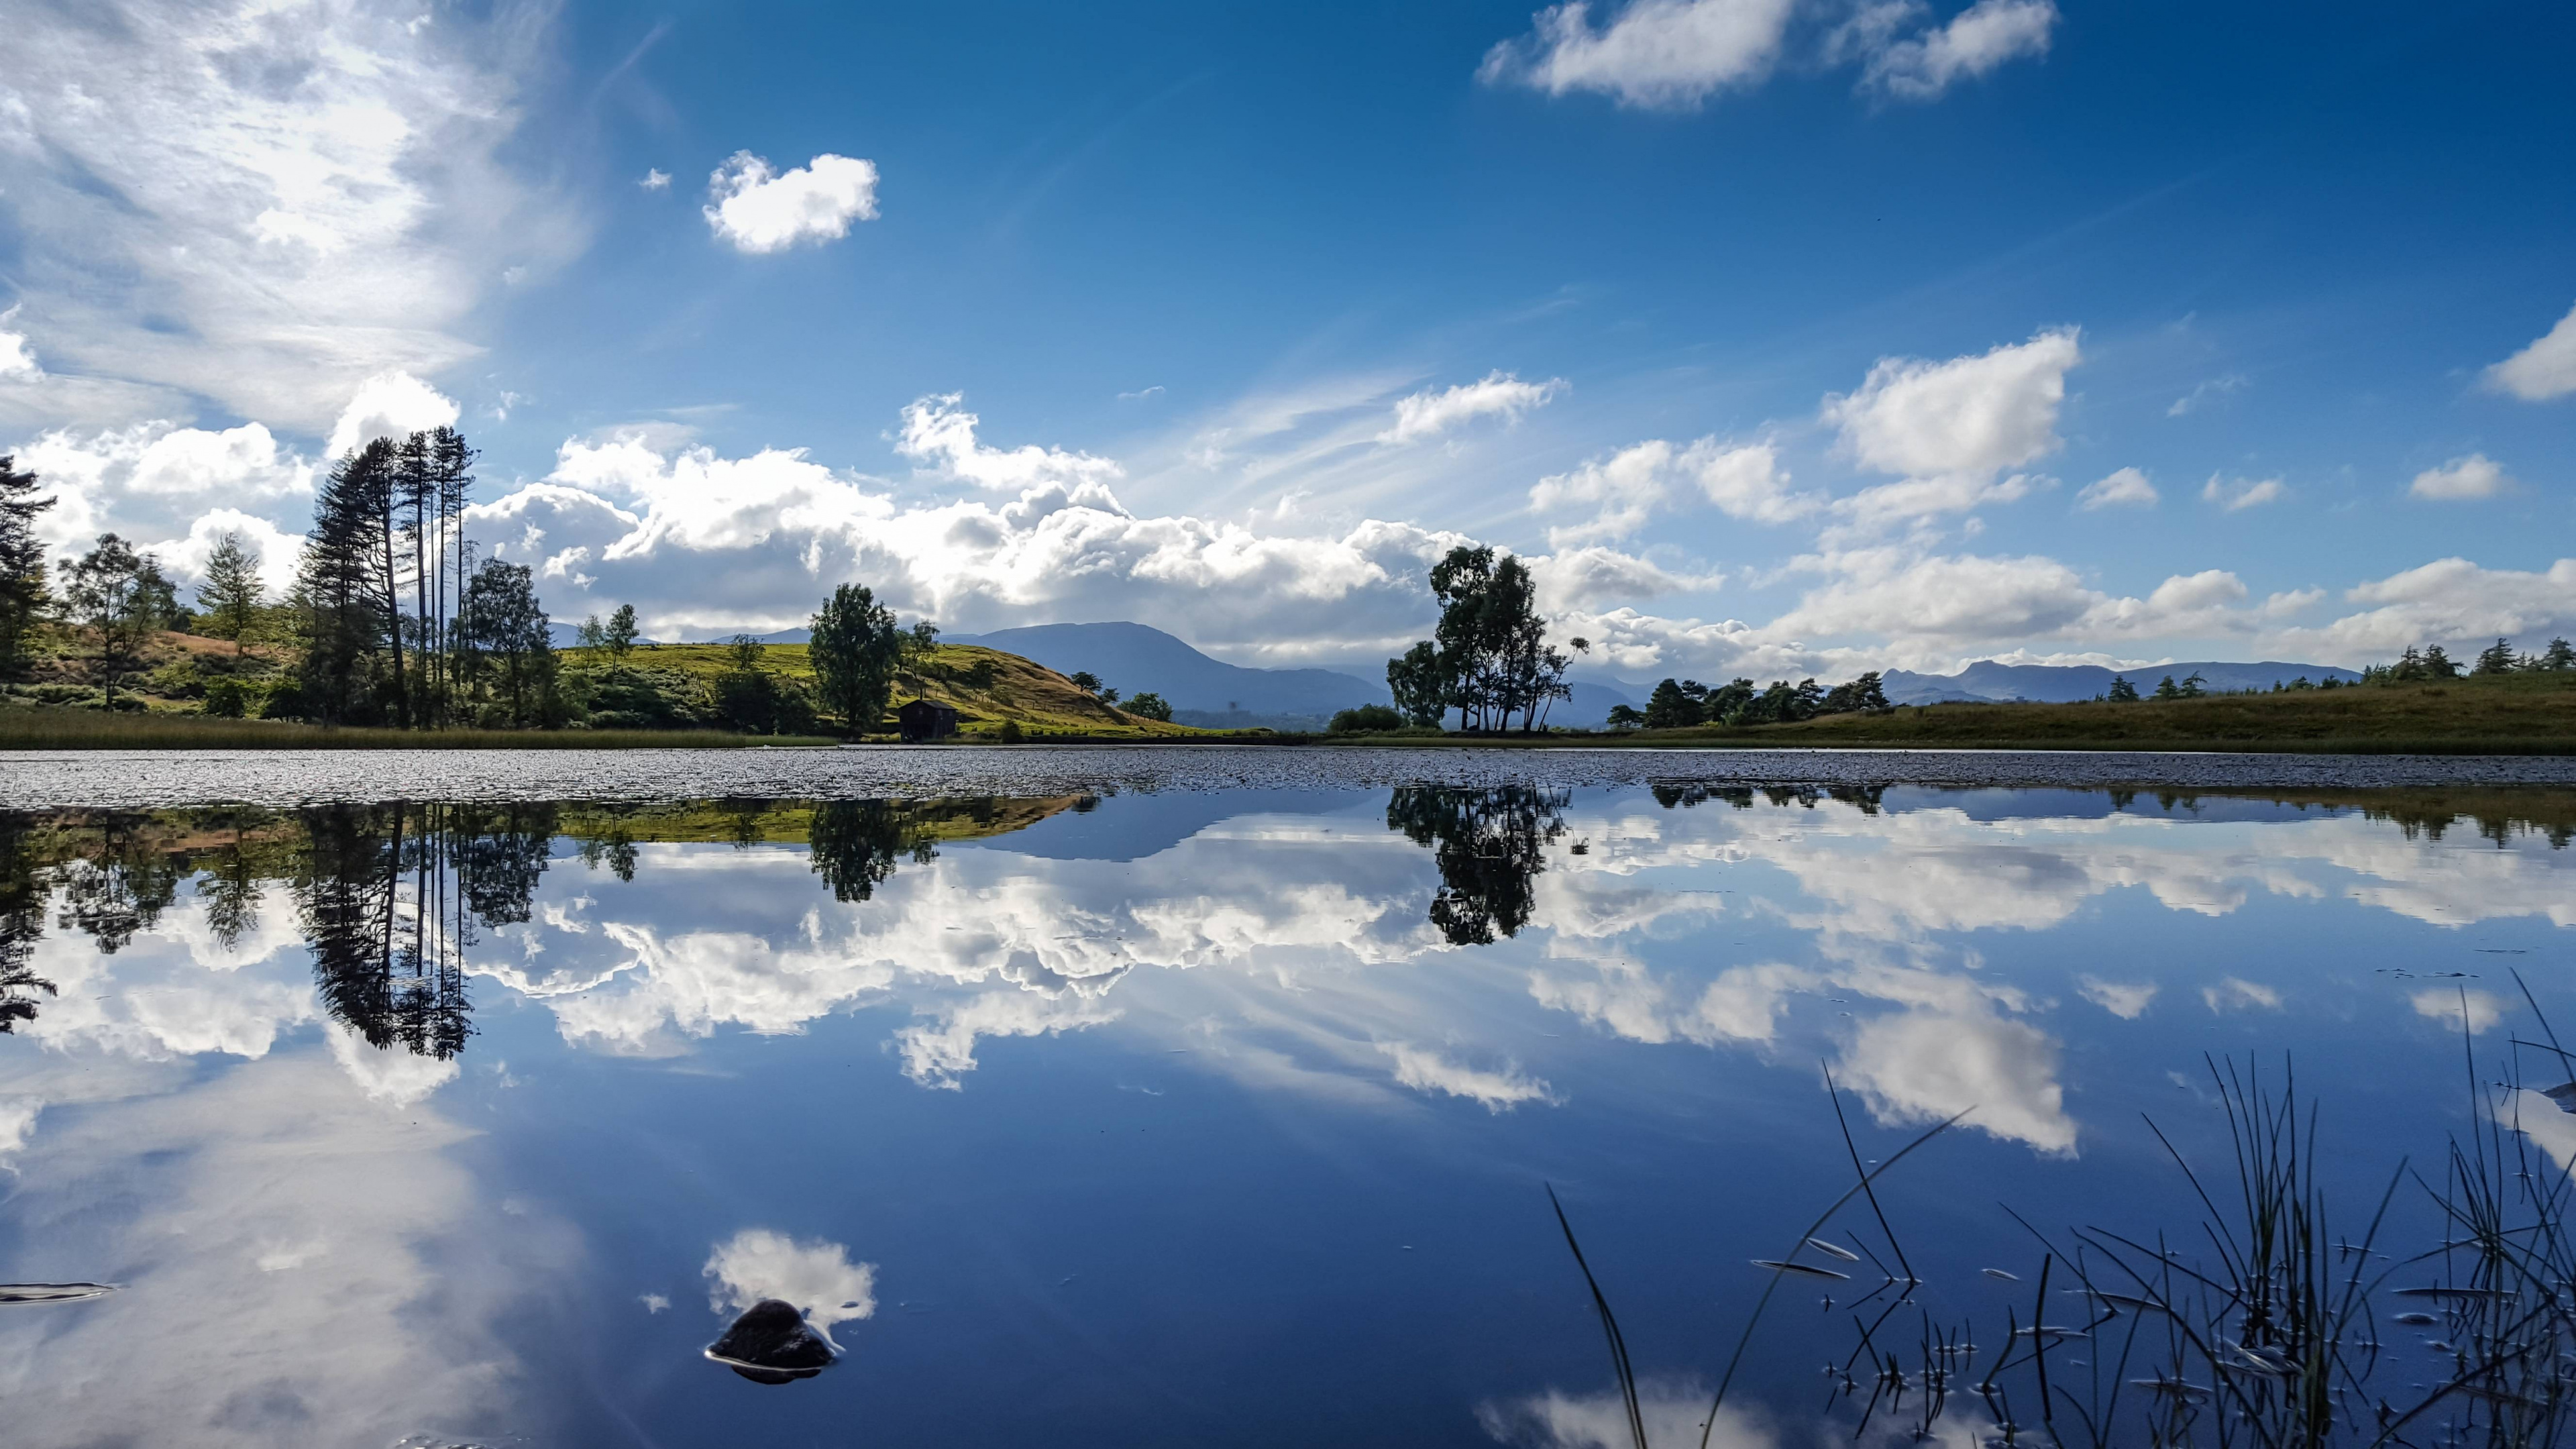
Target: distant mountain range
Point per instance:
(2059, 683)
(1213, 693)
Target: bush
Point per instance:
(1371, 719)
(226, 699)
(1150, 706)
(1010, 732)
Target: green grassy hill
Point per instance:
(986, 686)
(2495, 714)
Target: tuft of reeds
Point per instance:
(2271, 1330)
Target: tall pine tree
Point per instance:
(22, 562)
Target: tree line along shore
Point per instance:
(394, 633)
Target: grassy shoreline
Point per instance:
(2506, 715)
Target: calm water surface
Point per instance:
(1212, 1116)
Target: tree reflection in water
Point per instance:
(856, 842)
(22, 924)
(389, 896)
(1489, 844)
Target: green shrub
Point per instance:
(226, 699)
(1149, 706)
(1368, 719)
(1011, 732)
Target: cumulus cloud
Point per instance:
(2125, 1000)
(939, 432)
(814, 1275)
(2238, 494)
(1922, 1066)
(758, 209)
(2474, 476)
(1619, 492)
(705, 545)
(2479, 1011)
(2544, 370)
(156, 483)
(1425, 1070)
(1975, 42)
(389, 405)
(2125, 488)
(2447, 600)
(1950, 429)
(17, 363)
(1668, 54)
(1498, 394)
(276, 199)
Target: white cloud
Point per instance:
(1975, 42)
(156, 484)
(656, 179)
(1950, 427)
(2480, 1009)
(2125, 1000)
(703, 545)
(2544, 370)
(1959, 597)
(1621, 491)
(2474, 476)
(814, 1275)
(758, 209)
(940, 432)
(2239, 494)
(393, 1075)
(2448, 600)
(1579, 578)
(1498, 394)
(261, 201)
(2237, 994)
(1671, 54)
(1746, 481)
(1924, 1065)
(389, 405)
(2127, 487)
(17, 362)
(1425, 1070)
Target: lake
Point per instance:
(438, 1102)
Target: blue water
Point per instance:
(1180, 1118)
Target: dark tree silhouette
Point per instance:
(1489, 846)
(856, 843)
(22, 923)
(22, 562)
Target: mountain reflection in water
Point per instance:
(1096, 1117)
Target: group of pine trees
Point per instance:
(1488, 658)
(397, 623)
(2432, 661)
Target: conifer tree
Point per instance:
(231, 595)
(22, 562)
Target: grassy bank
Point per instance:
(42, 728)
(2513, 714)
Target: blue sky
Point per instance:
(1784, 336)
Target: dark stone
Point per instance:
(770, 1344)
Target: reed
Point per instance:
(2272, 1330)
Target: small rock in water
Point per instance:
(771, 1344)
